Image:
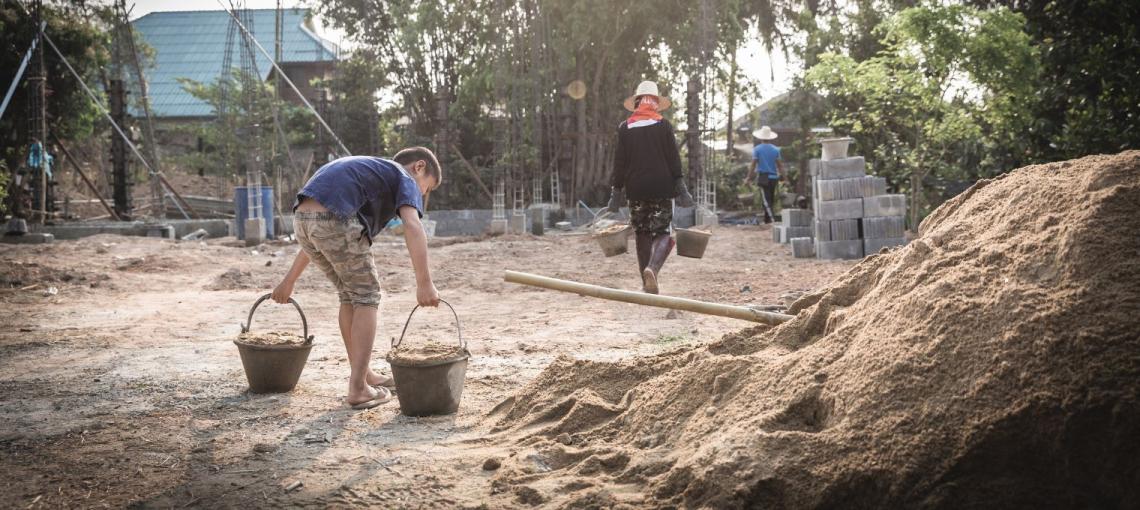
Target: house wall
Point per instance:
(302, 75)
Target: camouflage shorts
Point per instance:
(651, 216)
(338, 249)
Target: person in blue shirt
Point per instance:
(768, 167)
(336, 214)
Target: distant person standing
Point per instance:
(647, 169)
(767, 166)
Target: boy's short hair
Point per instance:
(413, 154)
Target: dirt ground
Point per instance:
(120, 384)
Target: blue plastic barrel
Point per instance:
(241, 210)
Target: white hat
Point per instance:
(764, 133)
(647, 88)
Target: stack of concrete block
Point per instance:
(838, 186)
(884, 222)
(803, 247)
(793, 223)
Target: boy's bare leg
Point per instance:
(345, 320)
(359, 345)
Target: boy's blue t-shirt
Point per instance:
(766, 156)
(368, 188)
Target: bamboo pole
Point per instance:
(90, 185)
(639, 298)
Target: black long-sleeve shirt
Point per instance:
(646, 161)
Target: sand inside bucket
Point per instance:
(428, 353)
(612, 229)
(270, 338)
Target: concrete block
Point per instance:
(855, 187)
(840, 209)
(822, 230)
(884, 227)
(872, 246)
(516, 223)
(254, 231)
(283, 225)
(705, 217)
(884, 205)
(813, 167)
(162, 231)
(844, 168)
(872, 186)
(844, 230)
(684, 217)
(796, 217)
(776, 230)
(829, 190)
(794, 232)
(803, 247)
(28, 238)
(498, 227)
(839, 249)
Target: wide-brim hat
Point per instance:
(765, 133)
(647, 88)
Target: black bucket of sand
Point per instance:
(273, 361)
(429, 378)
(692, 242)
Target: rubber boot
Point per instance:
(644, 243)
(662, 245)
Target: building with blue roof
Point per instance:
(192, 45)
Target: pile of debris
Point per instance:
(992, 362)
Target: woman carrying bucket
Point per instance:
(647, 169)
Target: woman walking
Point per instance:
(647, 169)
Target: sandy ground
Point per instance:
(120, 384)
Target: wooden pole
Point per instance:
(474, 172)
(75, 165)
(640, 298)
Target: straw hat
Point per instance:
(764, 133)
(647, 88)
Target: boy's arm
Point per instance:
(284, 290)
(779, 169)
(416, 239)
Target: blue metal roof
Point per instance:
(192, 44)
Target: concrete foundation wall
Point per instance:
(215, 228)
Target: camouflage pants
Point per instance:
(651, 216)
(343, 255)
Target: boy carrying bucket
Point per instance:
(336, 215)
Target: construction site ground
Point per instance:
(120, 383)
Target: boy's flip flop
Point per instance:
(386, 396)
(389, 383)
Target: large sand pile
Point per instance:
(993, 362)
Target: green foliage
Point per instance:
(5, 180)
(505, 66)
(81, 37)
(942, 101)
(237, 111)
(1088, 101)
(353, 90)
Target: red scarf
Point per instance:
(646, 110)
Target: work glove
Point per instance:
(684, 199)
(616, 200)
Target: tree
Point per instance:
(82, 40)
(223, 149)
(944, 98)
(505, 66)
(1088, 98)
(353, 89)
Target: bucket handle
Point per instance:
(458, 326)
(304, 322)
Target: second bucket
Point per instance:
(434, 388)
